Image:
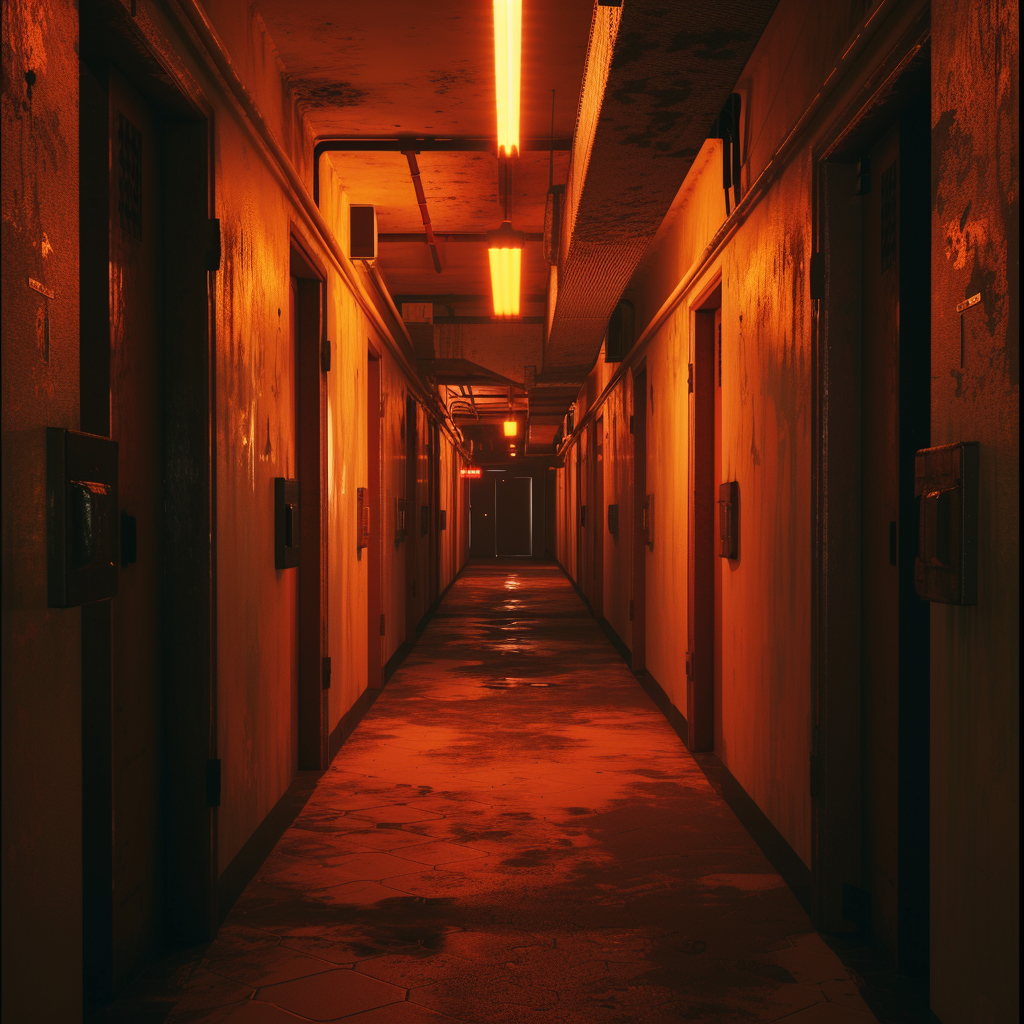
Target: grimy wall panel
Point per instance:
(975, 652)
(42, 783)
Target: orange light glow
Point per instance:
(511, 428)
(471, 472)
(508, 40)
(505, 250)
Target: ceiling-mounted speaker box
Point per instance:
(363, 232)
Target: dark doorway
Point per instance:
(412, 526)
(704, 573)
(639, 606)
(598, 524)
(481, 516)
(149, 851)
(374, 515)
(307, 295)
(513, 524)
(895, 649)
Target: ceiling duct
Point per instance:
(658, 74)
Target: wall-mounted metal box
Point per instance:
(81, 517)
(946, 490)
(613, 520)
(286, 523)
(729, 520)
(363, 232)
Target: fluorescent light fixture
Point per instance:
(508, 46)
(511, 428)
(505, 250)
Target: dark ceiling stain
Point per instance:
(444, 81)
(312, 92)
(714, 45)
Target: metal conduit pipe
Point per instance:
(428, 144)
(421, 199)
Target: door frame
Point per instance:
(374, 605)
(700, 681)
(110, 36)
(836, 728)
(638, 650)
(311, 447)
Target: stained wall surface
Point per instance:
(975, 653)
(255, 440)
(42, 814)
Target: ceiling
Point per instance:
(405, 68)
(402, 68)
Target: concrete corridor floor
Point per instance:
(515, 835)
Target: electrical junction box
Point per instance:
(362, 232)
(946, 490)
(82, 521)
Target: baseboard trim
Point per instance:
(348, 722)
(243, 867)
(402, 652)
(773, 845)
(257, 848)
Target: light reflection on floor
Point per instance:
(515, 835)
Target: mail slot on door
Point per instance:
(729, 520)
(946, 491)
(286, 523)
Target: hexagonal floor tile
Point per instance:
(331, 995)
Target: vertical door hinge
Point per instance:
(689, 665)
(213, 782)
(325, 673)
(631, 609)
(213, 244)
(383, 628)
(325, 355)
(689, 378)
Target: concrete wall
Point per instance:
(42, 814)
(764, 708)
(975, 653)
(255, 441)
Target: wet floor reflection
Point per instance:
(515, 834)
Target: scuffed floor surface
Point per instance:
(514, 834)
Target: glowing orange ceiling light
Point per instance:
(505, 249)
(508, 40)
(511, 428)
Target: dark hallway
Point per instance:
(510, 511)
(514, 833)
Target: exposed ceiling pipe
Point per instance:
(472, 400)
(421, 199)
(424, 145)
